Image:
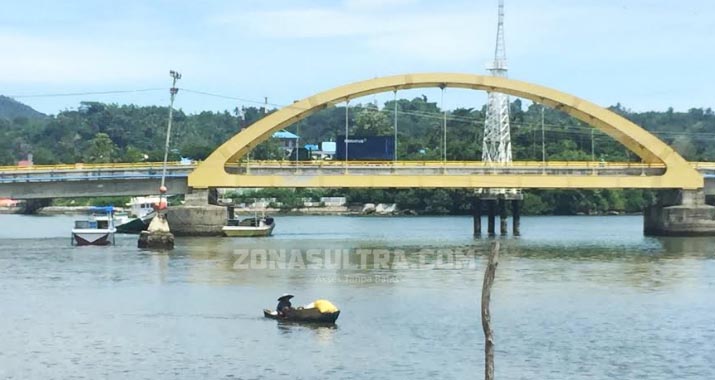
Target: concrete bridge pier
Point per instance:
(503, 217)
(497, 203)
(31, 206)
(680, 213)
(477, 216)
(491, 216)
(516, 216)
(197, 216)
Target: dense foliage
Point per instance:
(98, 132)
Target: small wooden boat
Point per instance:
(249, 227)
(97, 230)
(319, 311)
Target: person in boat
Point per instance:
(284, 304)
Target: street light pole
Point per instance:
(444, 126)
(347, 110)
(395, 104)
(175, 76)
(543, 143)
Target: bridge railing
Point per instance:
(528, 164)
(94, 166)
(703, 165)
(90, 167)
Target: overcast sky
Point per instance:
(645, 54)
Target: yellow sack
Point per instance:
(325, 306)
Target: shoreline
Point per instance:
(307, 211)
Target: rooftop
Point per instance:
(283, 134)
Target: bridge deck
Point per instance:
(50, 181)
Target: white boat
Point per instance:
(141, 206)
(249, 227)
(141, 212)
(96, 230)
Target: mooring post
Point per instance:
(516, 214)
(486, 314)
(491, 216)
(477, 215)
(503, 217)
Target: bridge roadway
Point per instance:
(128, 179)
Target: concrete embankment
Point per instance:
(69, 210)
(357, 209)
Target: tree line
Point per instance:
(99, 132)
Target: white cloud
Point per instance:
(443, 36)
(361, 5)
(56, 60)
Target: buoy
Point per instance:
(161, 205)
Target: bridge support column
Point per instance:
(516, 220)
(680, 213)
(477, 216)
(503, 217)
(31, 206)
(491, 216)
(196, 217)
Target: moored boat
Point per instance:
(142, 209)
(249, 227)
(318, 311)
(96, 230)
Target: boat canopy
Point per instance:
(107, 209)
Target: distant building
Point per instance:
(7, 202)
(326, 151)
(328, 147)
(26, 163)
(288, 141)
(333, 201)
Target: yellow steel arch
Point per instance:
(678, 174)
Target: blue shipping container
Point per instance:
(366, 148)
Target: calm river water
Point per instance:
(574, 298)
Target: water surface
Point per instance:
(574, 298)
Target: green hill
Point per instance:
(11, 109)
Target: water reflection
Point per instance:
(159, 263)
(609, 302)
(323, 332)
(366, 264)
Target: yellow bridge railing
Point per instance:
(336, 163)
(531, 164)
(84, 166)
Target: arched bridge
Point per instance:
(661, 166)
(220, 168)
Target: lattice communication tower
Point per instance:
(496, 147)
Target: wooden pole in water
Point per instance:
(486, 315)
